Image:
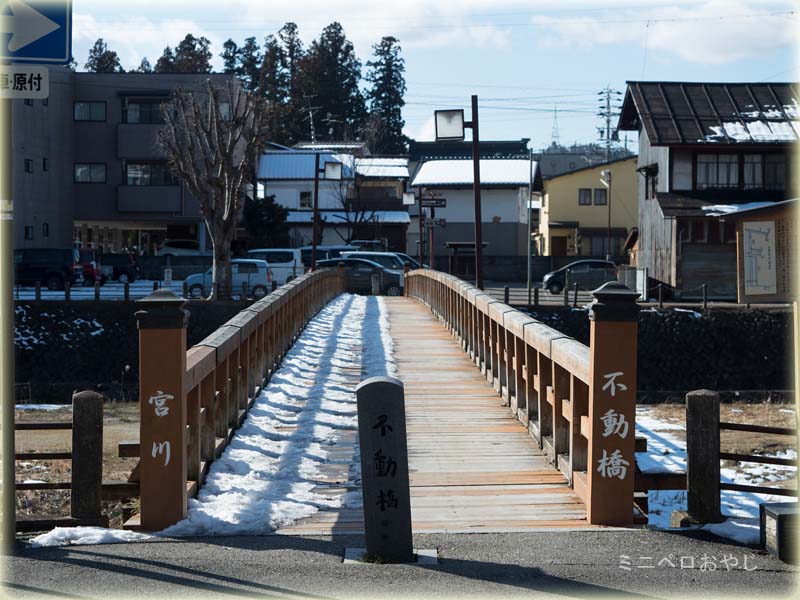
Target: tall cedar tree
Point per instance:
(385, 97)
(330, 74)
(103, 60)
(144, 66)
(265, 221)
(210, 140)
(191, 55)
(295, 127)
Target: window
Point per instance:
(45, 164)
(89, 111)
(45, 229)
(247, 268)
(90, 173)
(752, 171)
(28, 232)
(305, 199)
(775, 172)
(28, 165)
(717, 171)
(142, 111)
(600, 196)
(148, 174)
(585, 197)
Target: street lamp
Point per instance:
(606, 181)
(333, 171)
(450, 125)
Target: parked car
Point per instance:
(412, 263)
(588, 274)
(181, 248)
(369, 245)
(390, 260)
(324, 253)
(359, 273)
(255, 273)
(285, 263)
(90, 263)
(120, 267)
(52, 267)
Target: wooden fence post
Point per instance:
(66, 291)
(38, 295)
(97, 291)
(126, 291)
(702, 456)
(87, 458)
(162, 400)
(612, 405)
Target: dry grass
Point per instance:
(120, 423)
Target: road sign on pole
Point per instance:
(37, 31)
(24, 81)
(434, 202)
(438, 222)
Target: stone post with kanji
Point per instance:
(162, 402)
(384, 470)
(612, 405)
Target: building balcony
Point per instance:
(149, 198)
(138, 140)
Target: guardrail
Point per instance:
(578, 402)
(192, 401)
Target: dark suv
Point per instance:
(52, 267)
(120, 267)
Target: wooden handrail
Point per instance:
(562, 390)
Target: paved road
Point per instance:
(544, 564)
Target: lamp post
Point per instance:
(606, 181)
(450, 125)
(333, 171)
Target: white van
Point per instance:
(255, 273)
(285, 263)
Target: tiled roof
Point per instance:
(675, 113)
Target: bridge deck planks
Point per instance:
(473, 467)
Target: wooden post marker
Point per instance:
(612, 405)
(384, 469)
(702, 456)
(87, 458)
(162, 402)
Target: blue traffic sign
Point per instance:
(36, 31)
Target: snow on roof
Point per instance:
(382, 167)
(720, 210)
(510, 172)
(333, 217)
(755, 131)
(296, 164)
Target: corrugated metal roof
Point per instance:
(395, 168)
(334, 217)
(712, 113)
(502, 172)
(292, 165)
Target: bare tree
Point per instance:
(354, 216)
(211, 138)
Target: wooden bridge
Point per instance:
(512, 426)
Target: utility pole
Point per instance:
(528, 206)
(476, 184)
(311, 110)
(608, 110)
(554, 137)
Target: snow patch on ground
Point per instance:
(42, 406)
(264, 479)
(667, 453)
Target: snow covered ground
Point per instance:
(667, 453)
(265, 478)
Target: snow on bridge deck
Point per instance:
(472, 466)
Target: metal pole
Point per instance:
(608, 202)
(530, 193)
(421, 250)
(431, 254)
(7, 327)
(316, 214)
(476, 184)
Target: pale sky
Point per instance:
(522, 57)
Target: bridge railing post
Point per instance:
(611, 461)
(163, 415)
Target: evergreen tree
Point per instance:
(230, 57)
(191, 55)
(144, 66)
(330, 74)
(386, 95)
(265, 221)
(103, 60)
(295, 128)
(250, 60)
